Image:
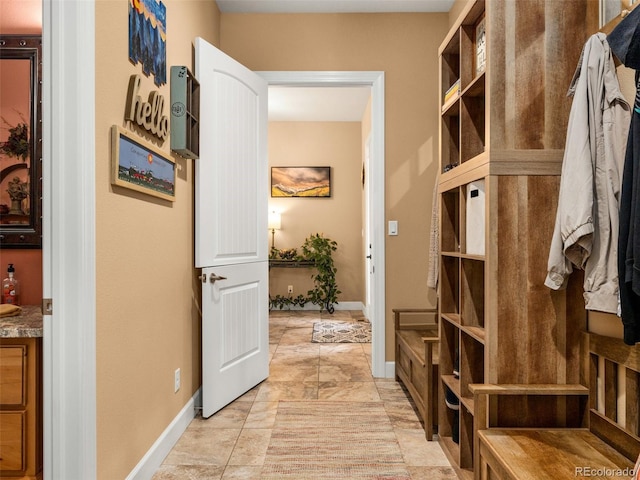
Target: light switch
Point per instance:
(393, 227)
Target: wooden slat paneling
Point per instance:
(510, 303)
(544, 364)
(618, 359)
(534, 49)
(528, 83)
(526, 207)
(610, 380)
(593, 381)
(615, 350)
(566, 24)
(632, 400)
(611, 433)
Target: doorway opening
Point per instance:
(374, 191)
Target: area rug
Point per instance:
(331, 331)
(327, 441)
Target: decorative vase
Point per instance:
(17, 192)
(16, 207)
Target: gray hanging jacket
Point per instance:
(586, 229)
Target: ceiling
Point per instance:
(333, 6)
(317, 104)
(338, 104)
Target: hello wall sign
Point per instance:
(147, 114)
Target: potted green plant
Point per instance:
(319, 249)
(280, 301)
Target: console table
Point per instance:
(291, 263)
(278, 263)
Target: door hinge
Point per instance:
(47, 306)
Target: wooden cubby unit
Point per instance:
(504, 133)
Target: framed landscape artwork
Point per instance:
(300, 181)
(140, 166)
(148, 38)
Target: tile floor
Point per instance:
(232, 444)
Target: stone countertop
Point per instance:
(27, 324)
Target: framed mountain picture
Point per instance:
(300, 181)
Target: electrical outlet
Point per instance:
(290, 289)
(176, 380)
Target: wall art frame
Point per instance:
(148, 38)
(21, 144)
(308, 182)
(139, 166)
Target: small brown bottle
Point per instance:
(11, 288)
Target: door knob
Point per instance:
(213, 277)
(203, 278)
(369, 257)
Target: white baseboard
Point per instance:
(349, 306)
(338, 306)
(147, 467)
(390, 369)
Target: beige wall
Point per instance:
(405, 47)
(148, 321)
(321, 144)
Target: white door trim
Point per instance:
(375, 80)
(368, 275)
(69, 343)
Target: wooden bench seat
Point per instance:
(549, 454)
(606, 443)
(414, 341)
(416, 364)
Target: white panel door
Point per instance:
(231, 227)
(233, 311)
(231, 173)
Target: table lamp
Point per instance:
(275, 223)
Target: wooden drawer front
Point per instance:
(418, 376)
(404, 362)
(13, 370)
(12, 438)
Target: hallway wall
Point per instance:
(148, 300)
(320, 144)
(148, 296)
(405, 47)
